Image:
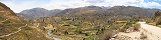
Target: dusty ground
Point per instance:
(146, 32)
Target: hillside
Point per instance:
(14, 28)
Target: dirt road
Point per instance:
(146, 32)
(152, 32)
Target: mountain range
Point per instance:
(38, 12)
(89, 11)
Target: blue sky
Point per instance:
(20, 5)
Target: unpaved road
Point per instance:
(19, 29)
(149, 32)
(152, 32)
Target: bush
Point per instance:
(136, 27)
(143, 36)
(107, 35)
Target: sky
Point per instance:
(20, 5)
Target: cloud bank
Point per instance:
(19, 5)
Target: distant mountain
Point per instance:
(38, 12)
(90, 11)
(132, 11)
(113, 11)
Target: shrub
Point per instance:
(107, 35)
(136, 27)
(143, 36)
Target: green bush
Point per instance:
(136, 27)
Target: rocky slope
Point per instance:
(13, 28)
(6, 13)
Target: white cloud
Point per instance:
(138, 3)
(157, 0)
(21, 6)
(63, 4)
(148, 4)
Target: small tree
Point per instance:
(157, 18)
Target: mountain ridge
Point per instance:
(90, 10)
(37, 12)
